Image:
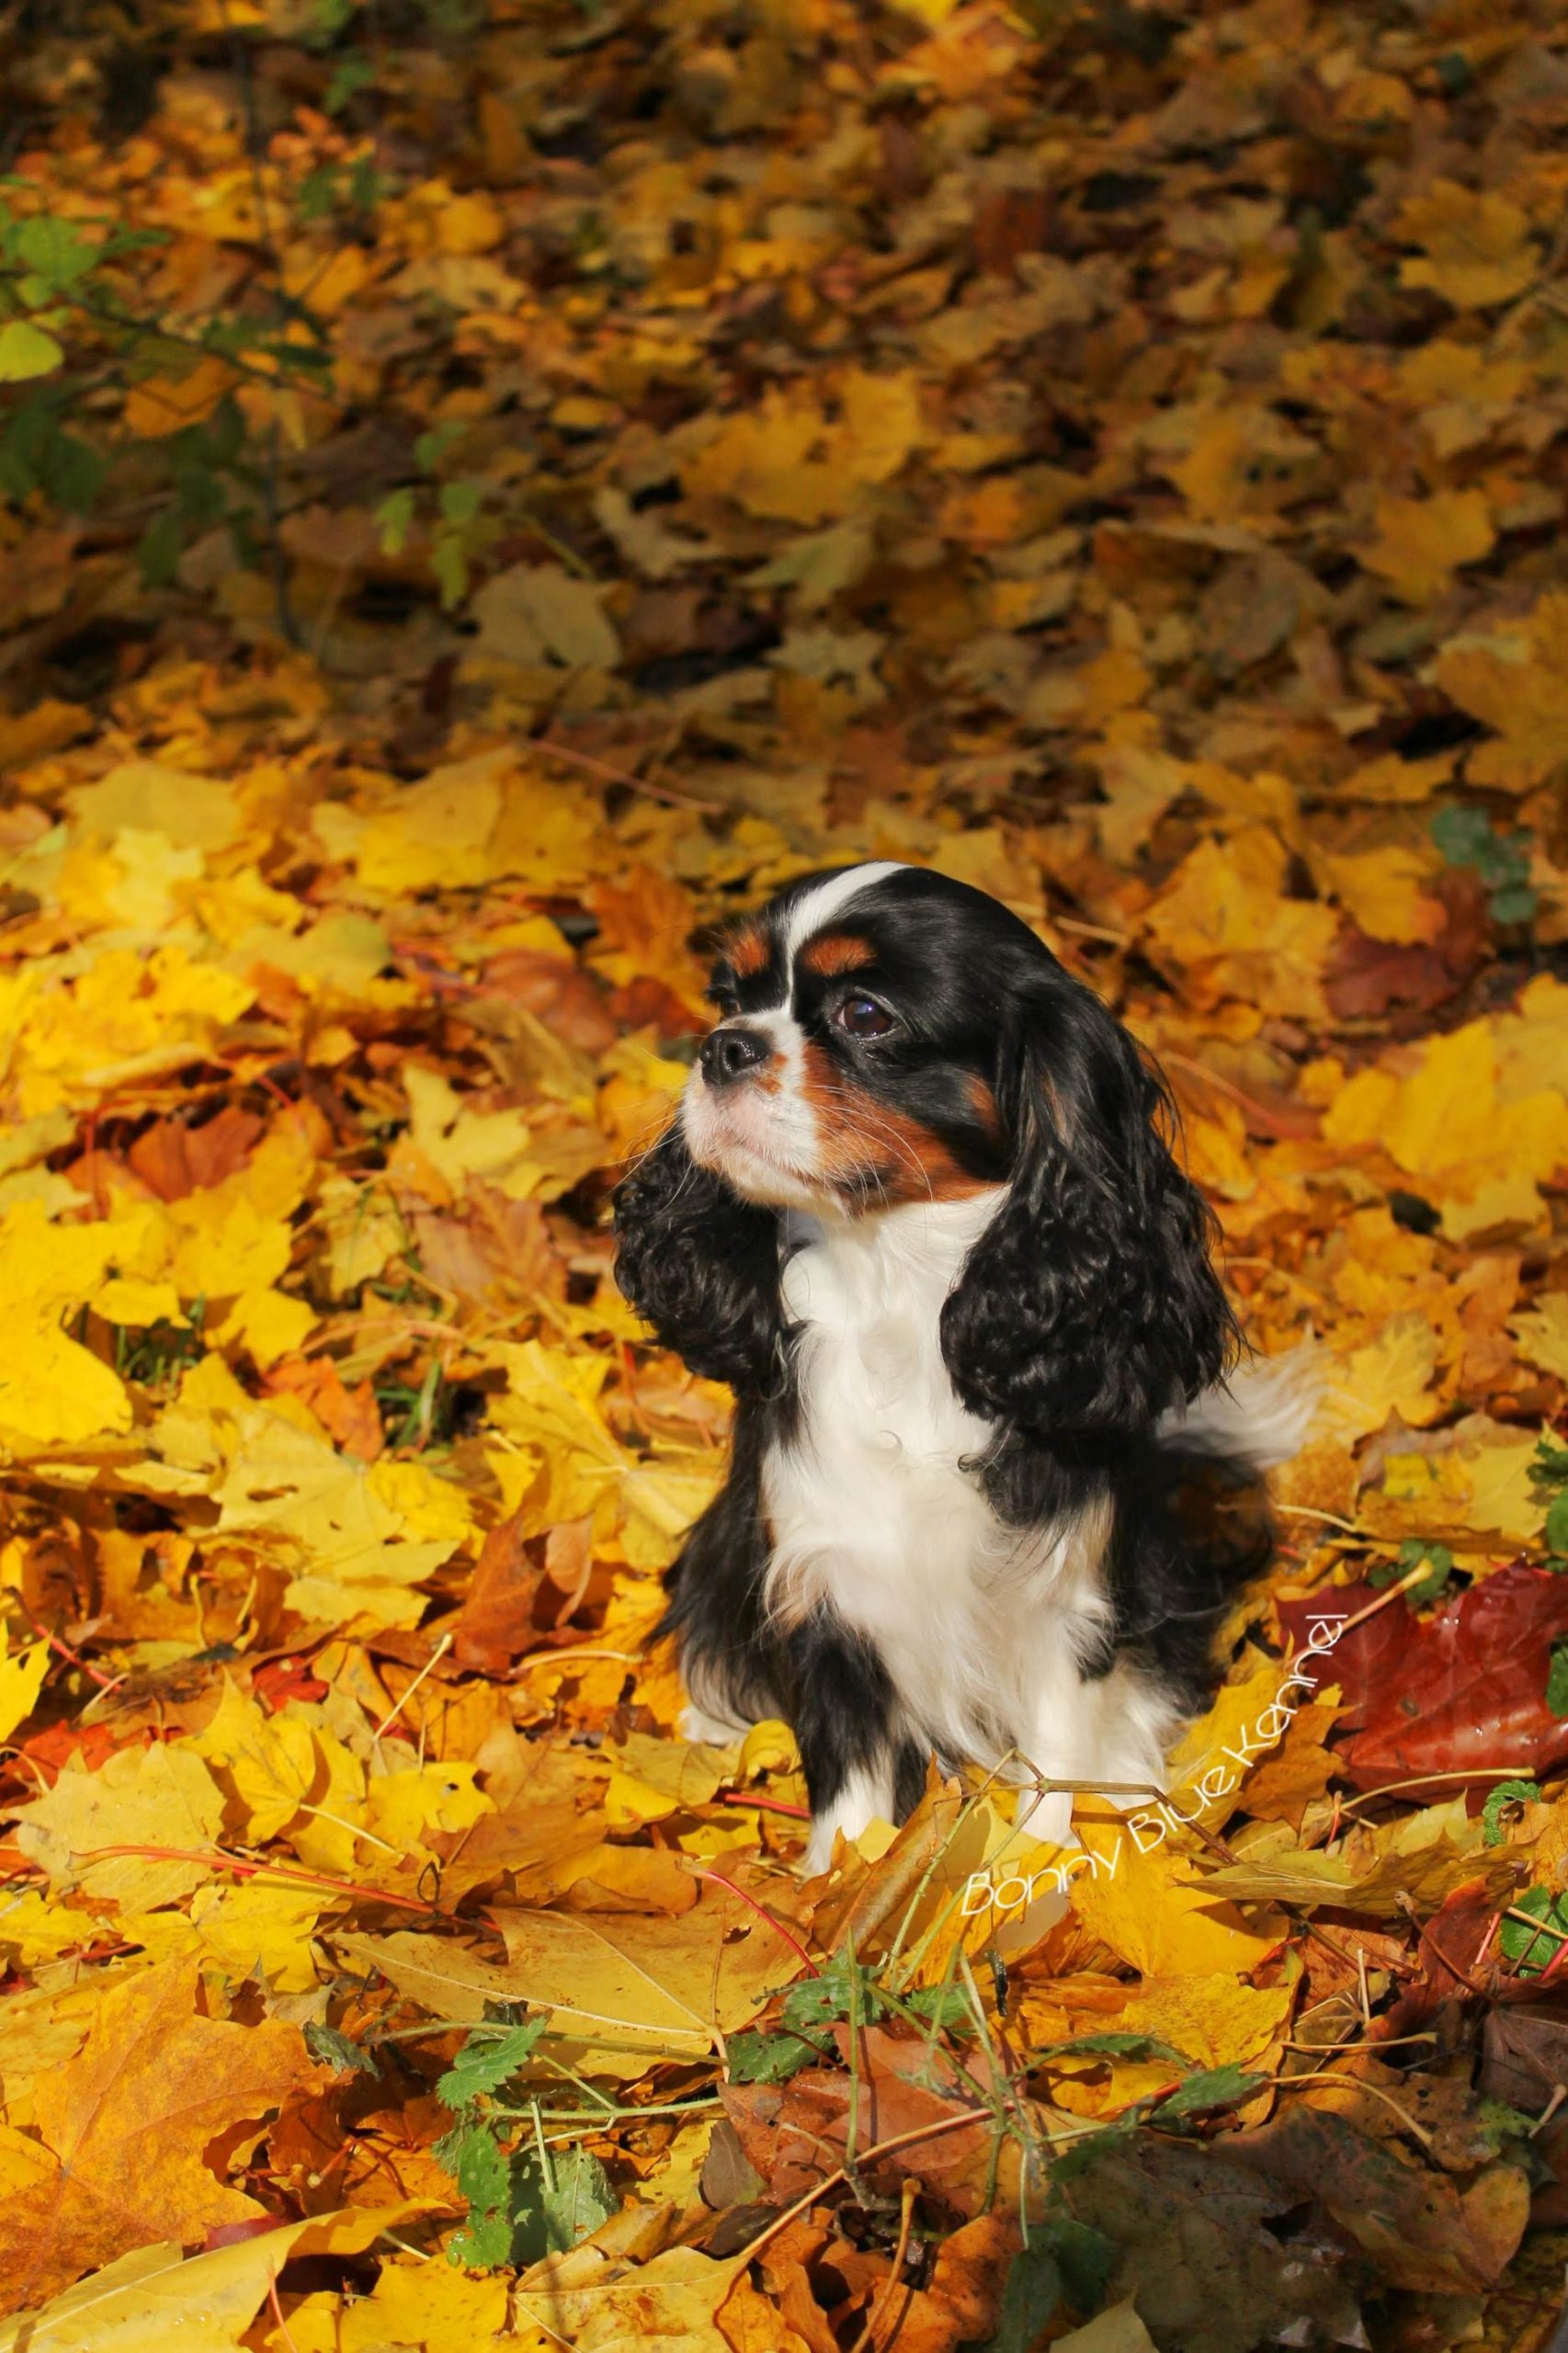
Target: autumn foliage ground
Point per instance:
(1114, 455)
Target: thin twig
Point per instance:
(1354, 2084)
(558, 751)
(440, 1652)
(839, 2177)
(793, 1942)
(892, 2283)
(283, 2328)
(242, 1868)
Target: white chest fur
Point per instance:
(877, 1511)
(877, 1508)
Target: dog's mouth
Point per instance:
(736, 1134)
(738, 1140)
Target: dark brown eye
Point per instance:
(724, 1001)
(862, 1017)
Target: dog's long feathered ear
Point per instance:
(700, 1266)
(1089, 1304)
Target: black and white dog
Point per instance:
(918, 1209)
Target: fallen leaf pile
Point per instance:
(1113, 455)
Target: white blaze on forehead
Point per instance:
(826, 899)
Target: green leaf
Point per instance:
(1550, 1462)
(582, 2199)
(27, 350)
(54, 250)
(394, 519)
(1212, 2087)
(1502, 2123)
(459, 501)
(768, 2058)
(1557, 1680)
(200, 493)
(1505, 1793)
(818, 2001)
(161, 546)
(1462, 834)
(1518, 904)
(448, 561)
(481, 2244)
(340, 2050)
(318, 193)
(483, 2172)
(353, 75)
(1411, 1554)
(1084, 2258)
(329, 20)
(1116, 2045)
(432, 446)
(365, 184)
(943, 2005)
(72, 472)
(1527, 1947)
(1557, 1523)
(477, 2163)
(486, 2061)
(1028, 2300)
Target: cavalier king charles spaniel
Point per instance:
(917, 1208)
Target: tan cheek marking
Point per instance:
(983, 1102)
(836, 952)
(867, 1144)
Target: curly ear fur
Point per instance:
(1089, 1304)
(701, 1265)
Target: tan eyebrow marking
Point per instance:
(747, 952)
(838, 951)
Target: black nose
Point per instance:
(728, 1054)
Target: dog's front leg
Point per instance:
(844, 1710)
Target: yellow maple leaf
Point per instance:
(1542, 1334)
(1225, 917)
(126, 1015)
(436, 832)
(1475, 247)
(1393, 1373)
(1446, 1116)
(1146, 1906)
(404, 1804)
(879, 424)
(159, 405)
(1213, 2019)
(269, 1765)
(21, 1681)
(1421, 543)
(327, 1519)
(268, 1322)
(157, 1797)
(53, 1392)
(34, 1929)
(429, 2305)
(1380, 890)
(204, 2302)
(1516, 681)
(458, 1142)
(200, 813)
(261, 1923)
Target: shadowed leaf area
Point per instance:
(487, 489)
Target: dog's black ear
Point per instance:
(701, 1265)
(1089, 1304)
